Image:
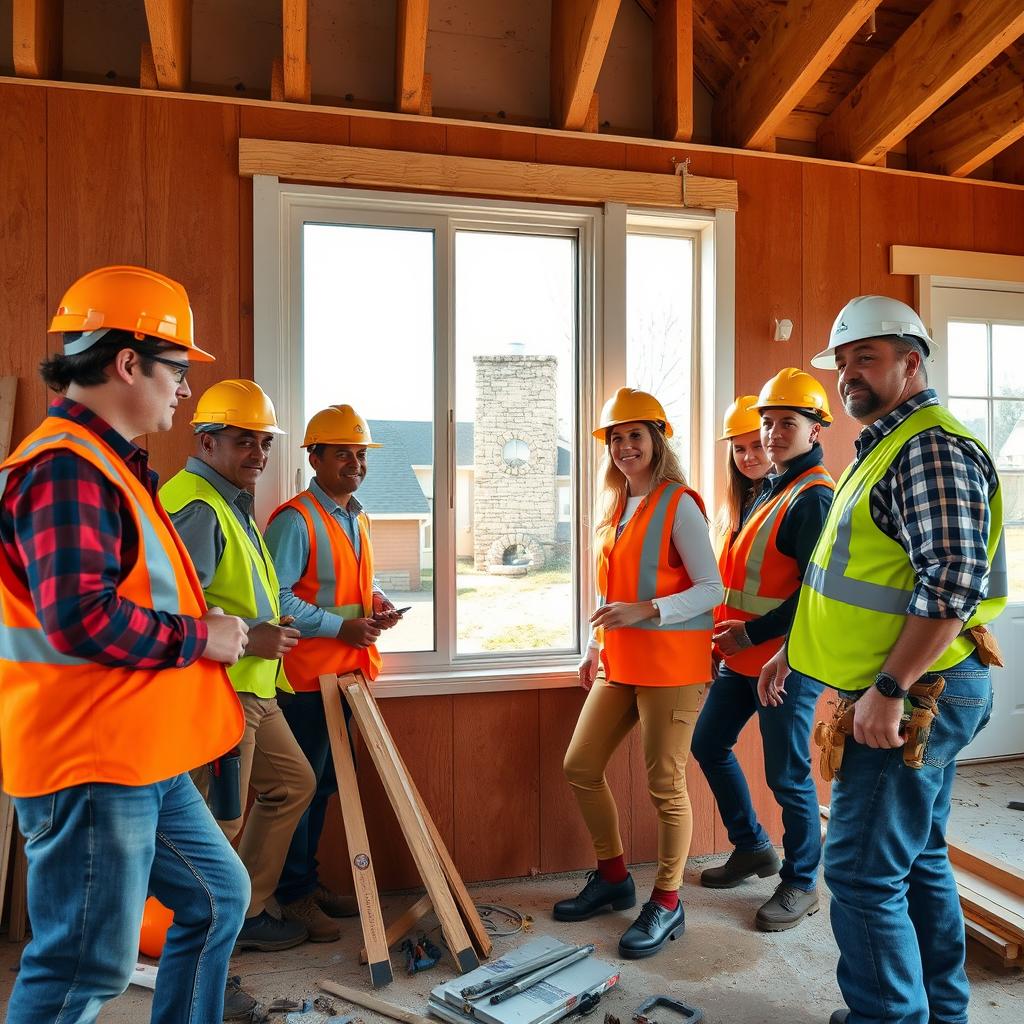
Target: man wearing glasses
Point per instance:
(112, 679)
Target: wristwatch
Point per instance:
(888, 686)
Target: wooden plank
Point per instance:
(401, 926)
(8, 394)
(937, 55)
(7, 832)
(295, 69)
(170, 34)
(410, 54)
(1006, 949)
(917, 260)
(673, 70)
(991, 913)
(37, 37)
(973, 127)
(580, 33)
(802, 41)
(992, 869)
(374, 934)
(354, 165)
(410, 816)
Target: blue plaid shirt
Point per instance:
(934, 502)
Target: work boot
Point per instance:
(741, 865)
(595, 897)
(307, 912)
(335, 905)
(651, 930)
(839, 1016)
(238, 1004)
(267, 934)
(787, 908)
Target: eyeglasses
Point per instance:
(180, 369)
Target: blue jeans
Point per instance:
(304, 713)
(94, 851)
(895, 912)
(785, 735)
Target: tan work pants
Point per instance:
(667, 715)
(276, 768)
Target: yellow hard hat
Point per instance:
(741, 417)
(628, 405)
(793, 389)
(338, 424)
(134, 299)
(237, 403)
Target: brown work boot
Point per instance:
(787, 908)
(307, 912)
(334, 904)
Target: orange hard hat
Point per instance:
(132, 299)
(741, 417)
(338, 424)
(156, 920)
(237, 403)
(628, 405)
(793, 389)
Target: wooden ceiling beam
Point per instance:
(948, 44)
(580, 33)
(971, 129)
(170, 36)
(800, 45)
(295, 70)
(410, 55)
(38, 29)
(673, 70)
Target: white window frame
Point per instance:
(280, 209)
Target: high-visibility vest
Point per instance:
(244, 582)
(640, 565)
(66, 720)
(858, 586)
(337, 581)
(756, 575)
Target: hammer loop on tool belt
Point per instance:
(830, 737)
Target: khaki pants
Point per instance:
(667, 715)
(275, 767)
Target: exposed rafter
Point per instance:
(37, 28)
(986, 118)
(673, 70)
(800, 44)
(411, 56)
(295, 72)
(170, 37)
(940, 52)
(580, 32)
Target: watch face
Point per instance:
(887, 686)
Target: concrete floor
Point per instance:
(737, 975)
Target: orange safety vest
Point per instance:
(756, 575)
(336, 580)
(640, 565)
(67, 720)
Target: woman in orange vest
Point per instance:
(652, 634)
(763, 552)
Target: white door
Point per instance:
(979, 373)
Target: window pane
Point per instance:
(659, 327)
(973, 414)
(1008, 449)
(1008, 359)
(355, 335)
(968, 358)
(515, 342)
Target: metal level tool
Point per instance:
(491, 985)
(539, 975)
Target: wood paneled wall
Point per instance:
(91, 177)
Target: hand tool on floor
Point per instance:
(539, 975)
(690, 1014)
(491, 985)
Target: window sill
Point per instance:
(490, 680)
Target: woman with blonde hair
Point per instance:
(658, 582)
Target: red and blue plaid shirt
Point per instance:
(70, 536)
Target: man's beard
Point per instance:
(863, 403)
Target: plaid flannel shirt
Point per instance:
(934, 502)
(70, 537)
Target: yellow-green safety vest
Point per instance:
(856, 591)
(244, 583)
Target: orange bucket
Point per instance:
(156, 919)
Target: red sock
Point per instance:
(669, 899)
(613, 870)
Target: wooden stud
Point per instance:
(147, 69)
(410, 55)
(368, 1002)
(295, 65)
(580, 33)
(1008, 950)
(427, 96)
(921, 261)
(7, 831)
(801, 43)
(38, 34)
(277, 80)
(8, 395)
(401, 926)
(592, 121)
(374, 935)
(948, 44)
(672, 39)
(170, 33)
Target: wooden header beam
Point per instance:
(919, 261)
(295, 70)
(580, 33)
(38, 32)
(411, 56)
(949, 43)
(170, 36)
(458, 175)
(673, 70)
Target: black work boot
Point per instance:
(786, 909)
(238, 1004)
(651, 930)
(267, 934)
(741, 865)
(839, 1016)
(595, 897)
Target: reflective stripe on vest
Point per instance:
(326, 583)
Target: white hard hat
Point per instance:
(872, 316)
